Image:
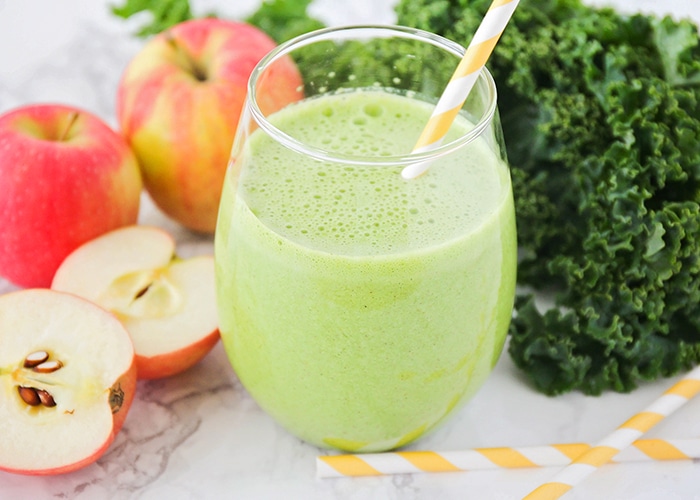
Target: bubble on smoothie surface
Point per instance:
(365, 209)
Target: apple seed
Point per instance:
(29, 395)
(35, 397)
(35, 358)
(48, 366)
(142, 292)
(46, 398)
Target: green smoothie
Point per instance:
(359, 309)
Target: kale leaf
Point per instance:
(601, 117)
(284, 19)
(164, 13)
(280, 19)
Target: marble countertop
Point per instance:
(199, 434)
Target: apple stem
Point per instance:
(71, 121)
(191, 65)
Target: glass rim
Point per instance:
(346, 31)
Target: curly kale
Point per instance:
(163, 13)
(284, 19)
(280, 19)
(601, 117)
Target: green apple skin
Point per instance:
(178, 104)
(66, 177)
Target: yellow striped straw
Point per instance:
(407, 462)
(623, 436)
(462, 81)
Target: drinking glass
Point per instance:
(358, 308)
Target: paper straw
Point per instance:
(462, 81)
(406, 462)
(623, 436)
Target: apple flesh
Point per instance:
(167, 304)
(65, 178)
(67, 380)
(178, 104)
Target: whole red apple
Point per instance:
(65, 178)
(67, 381)
(179, 102)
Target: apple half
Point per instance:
(67, 380)
(167, 304)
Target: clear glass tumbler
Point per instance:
(358, 308)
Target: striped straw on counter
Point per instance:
(462, 81)
(404, 462)
(623, 436)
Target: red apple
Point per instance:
(65, 178)
(167, 304)
(67, 380)
(178, 104)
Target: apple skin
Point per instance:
(122, 390)
(178, 104)
(65, 177)
(175, 362)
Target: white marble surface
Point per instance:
(199, 435)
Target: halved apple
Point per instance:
(167, 304)
(67, 380)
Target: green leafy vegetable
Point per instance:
(284, 19)
(280, 19)
(164, 13)
(601, 116)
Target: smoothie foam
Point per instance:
(359, 308)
